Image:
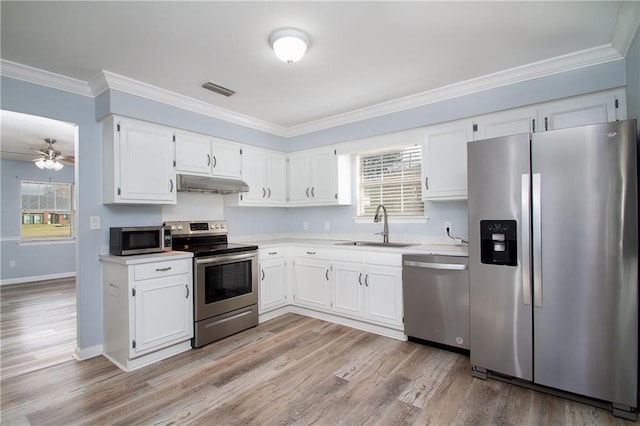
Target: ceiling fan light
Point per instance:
(289, 44)
(40, 164)
(57, 166)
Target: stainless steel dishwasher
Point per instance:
(436, 299)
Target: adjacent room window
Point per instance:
(47, 210)
(392, 178)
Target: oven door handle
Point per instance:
(225, 258)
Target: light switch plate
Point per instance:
(94, 222)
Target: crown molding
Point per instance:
(572, 61)
(626, 26)
(44, 78)
(104, 80)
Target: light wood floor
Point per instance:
(38, 325)
(290, 370)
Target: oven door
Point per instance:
(224, 283)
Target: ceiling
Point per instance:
(361, 54)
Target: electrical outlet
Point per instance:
(448, 224)
(305, 225)
(12, 264)
(327, 225)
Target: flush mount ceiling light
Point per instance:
(50, 158)
(289, 44)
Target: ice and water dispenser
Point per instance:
(498, 242)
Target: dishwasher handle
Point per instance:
(431, 265)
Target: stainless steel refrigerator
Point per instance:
(553, 260)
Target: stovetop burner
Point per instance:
(204, 238)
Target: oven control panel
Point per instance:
(205, 227)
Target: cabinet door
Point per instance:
(272, 284)
(299, 190)
(322, 177)
(505, 123)
(163, 312)
(311, 283)
(254, 173)
(146, 163)
(193, 154)
(444, 161)
(348, 280)
(227, 160)
(383, 295)
(276, 178)
(578, 112)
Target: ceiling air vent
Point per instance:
(218, 89)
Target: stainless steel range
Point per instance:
(225, 279)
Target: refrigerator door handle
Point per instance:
(525, 241)
(537, 242)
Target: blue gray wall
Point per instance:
(633, 80)
(50, 259)
(84, 111)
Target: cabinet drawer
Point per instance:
(271, 253)
(386, 259)
(355, 256)
(161, 269)
(312, 252)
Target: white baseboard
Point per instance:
(337, 319)
(22, 280)
(87, 353)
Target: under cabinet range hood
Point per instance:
(215, 185)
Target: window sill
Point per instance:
(393, 219)
(49, 241)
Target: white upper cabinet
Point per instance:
(319, 177)
(265, 171)
(138, 162)
(505, 123)
(444, 161)
(582, 111)
(203, 155)
(193, 154)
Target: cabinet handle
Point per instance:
(271, 253)
(311, 252)
(546, 123)
(170, 185)
(269, 189)
(187, 287)
(215, 162)
(366, 280)
(313, 194)
(360, 278)
(426, 183)
(264, 192)
(307, 192)
(327, 275)
(208, 159)
(262, 279)
(163, 269)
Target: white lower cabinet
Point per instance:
(383, 295)
(369, 289)
(311, 275)
(148, 307)
(273, 279)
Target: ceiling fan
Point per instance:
(49, 157)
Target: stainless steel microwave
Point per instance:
(139, 240)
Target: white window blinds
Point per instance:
(392, 178)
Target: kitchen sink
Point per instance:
(374, 244)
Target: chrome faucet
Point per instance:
(385, 229)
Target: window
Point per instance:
(393, 178)
(47, 210)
